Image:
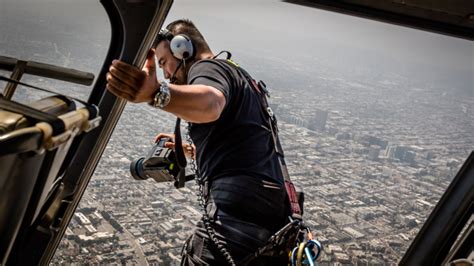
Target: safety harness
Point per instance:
(295, 238)
(261, 89)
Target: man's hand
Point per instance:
(132, 84)
(189, 150)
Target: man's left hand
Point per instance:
(189, 149)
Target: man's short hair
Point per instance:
(186, 27)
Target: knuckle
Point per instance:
(112, 70)
(141, 75)
(140, 83)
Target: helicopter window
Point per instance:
(375, 120)
(54, 33)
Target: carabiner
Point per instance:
(309, 257)
(293, 256)
(307, 250)
(311, 254)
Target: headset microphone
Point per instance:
(173, 77)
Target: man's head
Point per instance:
(168, 62)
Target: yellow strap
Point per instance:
(299, 254)
(232, 62)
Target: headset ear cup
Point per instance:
(182, 47)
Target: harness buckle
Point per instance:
(263, 87)
(270, 112)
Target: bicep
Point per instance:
(212, 75)
(218, 90)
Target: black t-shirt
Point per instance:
(240, 142)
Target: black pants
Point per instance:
(246, 213)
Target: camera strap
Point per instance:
(180, 157)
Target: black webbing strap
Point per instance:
(262, 92)
(37, 115)
(180, 157)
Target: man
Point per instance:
(244, 191)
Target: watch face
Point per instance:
(162, 97)
(156, 100)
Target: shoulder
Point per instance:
(208, 64)
(212, 69)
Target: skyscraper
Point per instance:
(318, 122)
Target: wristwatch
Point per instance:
(162, 97)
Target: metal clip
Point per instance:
(91, 124)
(312, 251)
(306, 251)
(263, 87)
(270, 112)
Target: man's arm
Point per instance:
(194, 103)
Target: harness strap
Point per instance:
(261, 90)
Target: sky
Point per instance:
(286, 29)
(258, 32)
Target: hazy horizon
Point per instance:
(289, 34)
(375, 120)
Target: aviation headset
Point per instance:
(181, 45)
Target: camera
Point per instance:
(160, 164)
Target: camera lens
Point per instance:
(136, 169)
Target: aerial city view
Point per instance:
(372, 137)
(369, 186)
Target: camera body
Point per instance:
(160, 164)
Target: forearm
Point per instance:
(195, 103)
